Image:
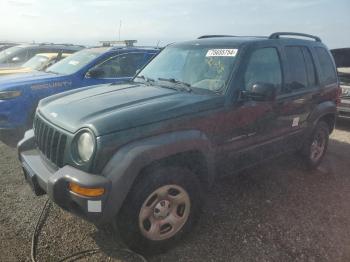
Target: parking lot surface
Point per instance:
(277, 211)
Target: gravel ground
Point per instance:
(275, 212)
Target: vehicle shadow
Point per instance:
(111, 245)
(277, 211)
(343, 124)
(11, 138)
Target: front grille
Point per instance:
(50, 141)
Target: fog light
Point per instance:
(86, 191)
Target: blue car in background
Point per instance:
(19, 95)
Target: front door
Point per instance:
(118, 69)
(250, 124)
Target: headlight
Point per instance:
(85, 146)
(9, 94)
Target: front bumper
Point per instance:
(45, 178)
(344, 108)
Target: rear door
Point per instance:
(298, 97)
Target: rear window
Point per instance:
(328, 73)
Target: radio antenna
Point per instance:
(120, 26)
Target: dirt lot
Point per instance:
(275, 212)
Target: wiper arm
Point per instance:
(52, 72)
(187, 86)
(146, 79)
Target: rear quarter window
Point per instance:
(327, 74)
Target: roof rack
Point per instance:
(123, 42)
(211, 36)
(278, 34)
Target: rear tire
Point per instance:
(316, 146)
(161, 208)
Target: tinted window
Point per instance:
(121, 66)
(297, 68)
(310, 67)
(327, 74)
(263, 67)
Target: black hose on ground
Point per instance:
(36, 231)
(73, 256)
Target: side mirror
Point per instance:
(95, 73)
(261, 92)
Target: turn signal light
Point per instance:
(86, 191)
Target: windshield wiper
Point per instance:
(146, 79)
(52, 72)
(185, 85)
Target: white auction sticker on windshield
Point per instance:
(222, 52)
(73, 62)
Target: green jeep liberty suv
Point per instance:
(139, 155)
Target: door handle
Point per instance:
(318, 95)
(281, 103)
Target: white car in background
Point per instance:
(342, 60)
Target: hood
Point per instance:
(17, 70)
(109, 108)
(10, 81)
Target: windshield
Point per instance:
(74, 62)
(37, 62)
(196, 66)
(5, 54)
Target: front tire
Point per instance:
(316, 146)
(161, 208)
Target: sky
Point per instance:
(166, 21)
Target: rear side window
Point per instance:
(263, 67)
(297, 68)
(327, 74)
(310, 67)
